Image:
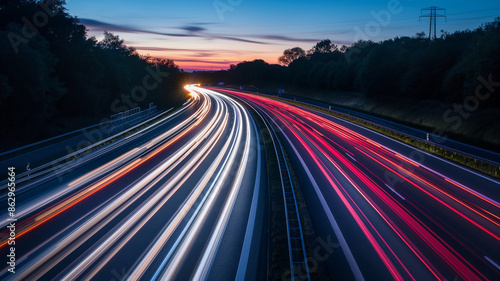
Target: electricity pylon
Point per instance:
(433, 15)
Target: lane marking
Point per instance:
(351, 157)
(492, 262)
(342, 121)
(395, 192)
(247, 243)
(336, 228)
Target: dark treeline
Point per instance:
(54, 78)
(446, 69)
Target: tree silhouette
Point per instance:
(290, 55)
(323, 47)
(420, 35)
(59, 79)
(446, 69)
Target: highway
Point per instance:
(185, 198)
(442, 140)
(397, 213)
(177, 200)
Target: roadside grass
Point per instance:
(87, 151)
(278, 259)
(481, 166)
(122, 135)
(310, 235)
(38, 146)
(481, 128)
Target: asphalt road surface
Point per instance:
(174, 201)
(397, 212)
(183, 199)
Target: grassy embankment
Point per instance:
(480, 128)
(278, 258)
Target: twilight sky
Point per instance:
(212, 34)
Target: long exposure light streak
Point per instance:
(146, 179)
(351, 165)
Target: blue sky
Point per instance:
(211, 34)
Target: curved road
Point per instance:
(398, 213)
(174, 201)
(441, 140)
(184, 198)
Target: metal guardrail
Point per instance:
(51, 139)
(53, 165)
(478, 158)
(296, 247)
(404, 134)
(123, 120)
(118, 122)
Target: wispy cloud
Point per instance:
(194, 52)
(101, 26)
(204, 57)
(193, 31)
(193, 28)
(223, 62)
(163, 49)
(284, 38)
(237, 39)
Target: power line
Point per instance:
(433, 15)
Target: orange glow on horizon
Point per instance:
(208, 63)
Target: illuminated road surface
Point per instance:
(398, 213)
(175, 201)
(182, 200)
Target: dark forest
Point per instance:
(55, 78)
